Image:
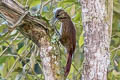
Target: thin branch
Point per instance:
(115, 48)
(43, 4)
(19, 57)
(9, 44)
(26, 4)
(47, 2)
(16, 24)
(38, 21)
(41, 7)
(12, 68)
(33, 72)
(32, 58)
(14, 27)
(10, 55)
(20, 19)
(112, 58)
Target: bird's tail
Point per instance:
(68, 65)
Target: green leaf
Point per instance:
(7, 66)
(81, 39)
(34, 3)
(21, 49)
(117, 7)
(3, 59)
(2, 28)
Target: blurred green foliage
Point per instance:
(14, 64)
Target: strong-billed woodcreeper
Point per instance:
(67, 35)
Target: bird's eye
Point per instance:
(57, 15)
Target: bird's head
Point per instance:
(61, 15)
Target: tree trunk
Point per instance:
(38, 31)
(97, 23)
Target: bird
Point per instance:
(67, 35)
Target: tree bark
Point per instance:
(97, 23)
(38, 31)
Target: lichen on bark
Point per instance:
(96, 39)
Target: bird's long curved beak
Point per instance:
(54, 20)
